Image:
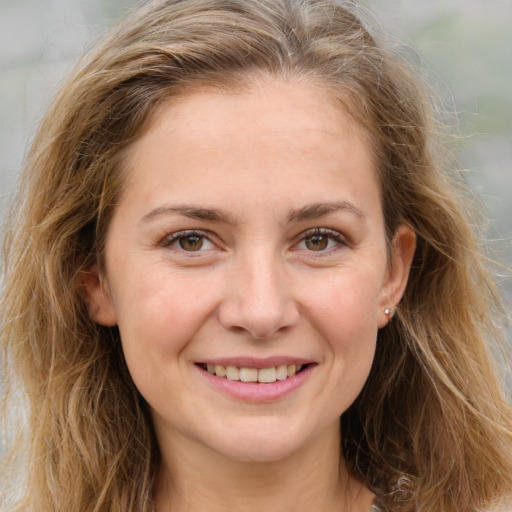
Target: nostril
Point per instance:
(261, 315)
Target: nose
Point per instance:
(259, 299)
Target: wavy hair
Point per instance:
(431, 429)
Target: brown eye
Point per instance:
(191, 242)
(316, 242)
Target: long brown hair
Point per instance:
(431, 429)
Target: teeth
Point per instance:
(232, 373)
(267, 375)
(281, 372)
(262, 375)
(220, 371)
(248, 374)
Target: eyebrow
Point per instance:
(308, 212)
(316, 210)
(191, 211)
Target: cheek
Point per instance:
(344, 310)
(158, 320)
(346, 303)
(159, 315)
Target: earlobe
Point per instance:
(97, 297)
(404, 245)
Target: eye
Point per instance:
(319, 240)
(189, 241)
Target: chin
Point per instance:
(260, 443)
(263, 452)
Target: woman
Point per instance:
(236, 230)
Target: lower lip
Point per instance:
(258, 392)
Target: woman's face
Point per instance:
(249, 240)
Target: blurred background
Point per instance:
(465, 44)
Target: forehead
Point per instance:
(294, 137)
(267, 105)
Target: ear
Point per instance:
(98, 297)
(403, 247)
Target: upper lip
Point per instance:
(255, 362)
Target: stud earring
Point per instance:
(389, 313)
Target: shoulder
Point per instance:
(503, 505)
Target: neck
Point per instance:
(314, 478)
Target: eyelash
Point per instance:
(329, 234)
(325, 233)
(175, 237)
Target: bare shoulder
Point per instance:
(503, 505)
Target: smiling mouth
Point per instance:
(259, 375)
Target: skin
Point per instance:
(242, 171)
